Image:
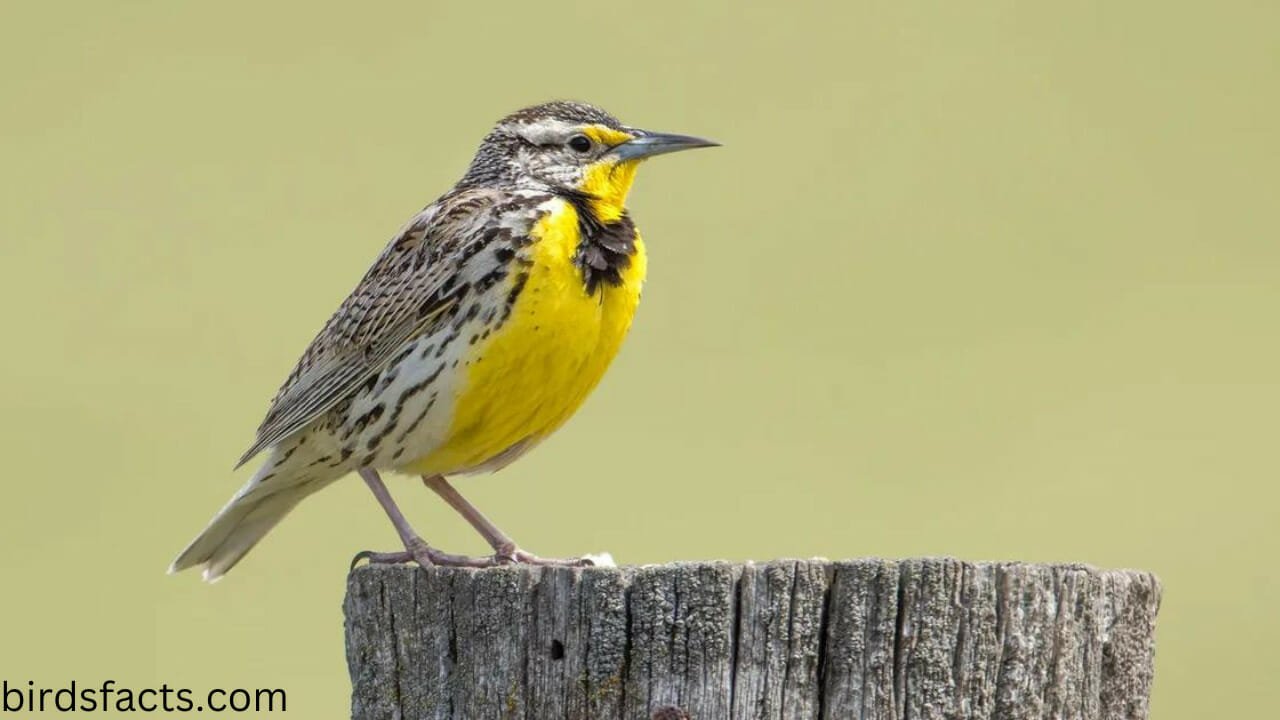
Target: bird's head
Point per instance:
(569, 146)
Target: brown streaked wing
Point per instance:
(405, 293)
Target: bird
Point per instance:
(477, 332)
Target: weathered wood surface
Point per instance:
(867, 639)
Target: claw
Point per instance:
(381, 558)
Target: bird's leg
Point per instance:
(505, 549)
(415, 548)
(497, 539)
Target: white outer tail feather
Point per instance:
(245, 520)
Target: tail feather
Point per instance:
(245, 520)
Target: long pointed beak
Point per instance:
(647, 144)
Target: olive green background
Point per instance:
(993, 280)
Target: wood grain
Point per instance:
(793, 639)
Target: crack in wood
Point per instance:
(870, 639)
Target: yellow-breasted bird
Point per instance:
(477, 332)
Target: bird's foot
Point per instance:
(513, 555)
(417, 550)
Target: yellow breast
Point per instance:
(533, 373)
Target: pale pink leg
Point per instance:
(505, 549)
(415, 548)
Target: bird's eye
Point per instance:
(580, 143)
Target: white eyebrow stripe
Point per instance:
(546, 131)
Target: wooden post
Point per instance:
(868, 639)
